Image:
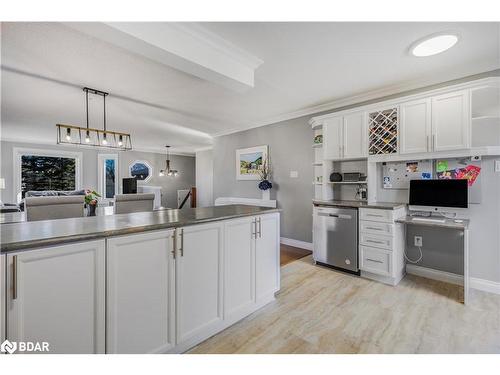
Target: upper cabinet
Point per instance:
(451, 121)
(415, 126)
(344, 137)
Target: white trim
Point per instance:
(485, 285)
(355, 102)
(18, 152)
(453, 278)
(101, 181)
(296, 243)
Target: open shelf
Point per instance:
(317, 164)
(317, 145)
(317, 183)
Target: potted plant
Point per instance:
(91, 201)
(265, 185)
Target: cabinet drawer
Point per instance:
(375, 260)
(374, 214)
(376, 228)
(374, 240)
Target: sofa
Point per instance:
(49, 193)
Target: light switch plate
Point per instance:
(294, 174)
(497, 165)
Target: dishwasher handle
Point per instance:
(339, 216)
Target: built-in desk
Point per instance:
(452, 224)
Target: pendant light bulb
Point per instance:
(104, 140)
(120, 141)
(161, 174)
(68, 134)
(87, 137)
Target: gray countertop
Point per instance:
(358, 204)
(19, 236)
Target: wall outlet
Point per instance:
(497, 165)
(294, 174)
(418, 241)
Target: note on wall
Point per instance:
(462, 169)
(398, 175)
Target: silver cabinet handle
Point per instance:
(427, 143)
(254, 228)
(374, 260)
(174, 244)
(374, 215)
(260, 227)
(182, 242)
(433, 142)
(372, 241)
(373, 228)
(14, 277)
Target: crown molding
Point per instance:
(370, 97)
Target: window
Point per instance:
(45, 170)
(141, 170)
(108, 175)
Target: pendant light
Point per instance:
(93, 137)
(167, 171)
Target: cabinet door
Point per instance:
(451, 121)
(239, 266)
(140, 295)
(199, 277)
(332, 138)
(2, 296)
(355, 136)
(415, 126)
(57, 295)
(267, 254)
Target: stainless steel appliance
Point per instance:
(335, 232)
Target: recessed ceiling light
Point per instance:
(433, 44)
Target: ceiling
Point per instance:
(306, 67)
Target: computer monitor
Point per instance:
(129, 185)
(439, 195)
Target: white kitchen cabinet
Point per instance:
(140, 293)
(354, 140)
(267, 254)
(2, 296)
(332, 138)
(239, 266)
(415, 126)
(57, 295)
(451, 122)
(199, 279)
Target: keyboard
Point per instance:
(428, 219)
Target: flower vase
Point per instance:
(266, 195)
(91, 209)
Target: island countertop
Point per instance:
(20, 236)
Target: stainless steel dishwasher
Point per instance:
(335, 237)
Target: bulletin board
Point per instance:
(459, 169)
(397, 175)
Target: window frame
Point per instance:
(101, 178)
(19, 152)
(146, 163)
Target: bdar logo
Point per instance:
(8, 347)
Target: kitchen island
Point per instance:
(155, 282)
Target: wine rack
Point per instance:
(383, 132)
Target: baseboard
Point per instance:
(453, 278)
(296, 243)
(484, 285)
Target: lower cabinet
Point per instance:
(2, 296)
(140, 293)
(199, 277)
(57, 295)
(153, 292)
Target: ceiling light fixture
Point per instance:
(167, 171)
(94, 137)
(433, 44)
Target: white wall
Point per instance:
(204, 178)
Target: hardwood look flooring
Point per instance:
(290, 254)
(319, 310)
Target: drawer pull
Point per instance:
(373, 228)
(372, 241)
(374, 215)
(374, 260)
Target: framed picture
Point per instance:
(141, 170)
(249, 162)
